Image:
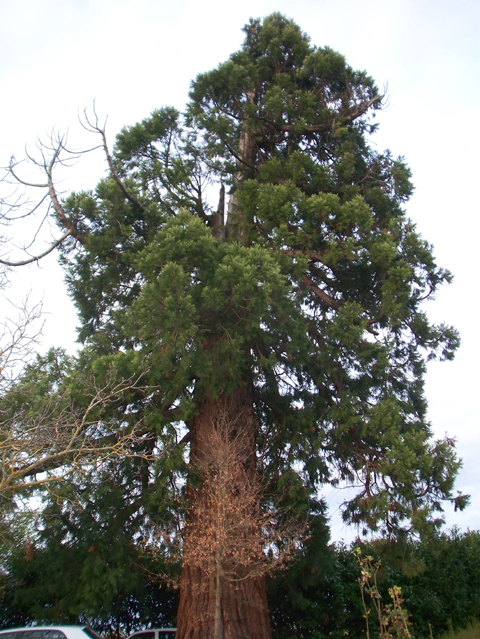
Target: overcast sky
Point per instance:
(131, 57)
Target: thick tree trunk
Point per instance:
(243, 600)
(244, 608)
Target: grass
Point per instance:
(470, 632)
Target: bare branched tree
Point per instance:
(30, 189)
(20, 330)
(60, 438)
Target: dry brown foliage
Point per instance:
(232, 533)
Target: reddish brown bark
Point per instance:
(244, 608)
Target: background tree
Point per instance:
(439, 578)
(81, 559)
(299, 308)
(84, 554)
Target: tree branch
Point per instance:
(63, 436)
(350, 117)
(36, 258)
(321, 294)
(95, 128)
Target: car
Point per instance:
(50, 632)
(154, 633)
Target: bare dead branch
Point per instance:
(95, 128)
(59, 210)
(19, 205)
(36, 258)
(18, 336)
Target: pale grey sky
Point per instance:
(133, 56)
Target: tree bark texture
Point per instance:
(243, 599)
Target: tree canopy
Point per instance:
(298, 299)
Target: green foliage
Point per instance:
(83, 559)
(472, 631)
(439, 580)
(450, 581)
(318, 596)
(310, 295)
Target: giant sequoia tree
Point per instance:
(292, 311)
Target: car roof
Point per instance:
(77, 631)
